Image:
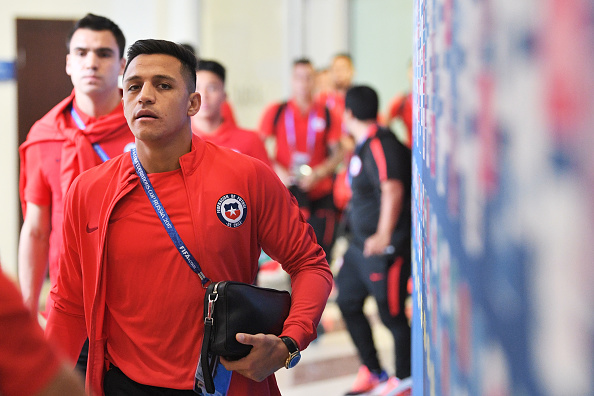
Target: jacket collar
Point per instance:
(189, 162)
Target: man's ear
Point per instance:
(195, 102)
(122, 65)
(347, 114)
(68, 64)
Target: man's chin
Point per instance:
(90, 89)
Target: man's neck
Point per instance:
(98, 105)
(303, 103)
(360, 129)
(207, 125)
(157, 157)
(341, 91)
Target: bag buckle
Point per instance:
(212, 298)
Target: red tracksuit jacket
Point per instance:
(271, 220)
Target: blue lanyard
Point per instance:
(290, 129)
(164, 217)
(81, 125)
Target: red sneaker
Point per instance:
(366, 381)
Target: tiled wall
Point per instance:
(503, 191)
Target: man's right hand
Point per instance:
(33, 253)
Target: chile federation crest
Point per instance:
(231, 210)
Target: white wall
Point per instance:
(381, 45)
(258, 41)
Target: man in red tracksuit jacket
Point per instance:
(60, 146)
(122, 280)
(305, 135)
(211, 124)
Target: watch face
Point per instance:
(294, 360)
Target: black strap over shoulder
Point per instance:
(279, 111)
(328, 120)
(282, 107)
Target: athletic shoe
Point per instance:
(366, 381)
(393, 387)
(386, 388)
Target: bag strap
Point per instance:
(208, 325)
(280, 109)
(165, 220)
(328, 119)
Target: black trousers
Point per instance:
(81, 363)
(116, 383)
(322, 215)
(383, 277)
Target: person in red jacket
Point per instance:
(209, 122)
(341, 73)
(226, 109)
(401, 107)
(341, 77)
(124, 282)
(306, 134)
(80, 132)
(28, 366)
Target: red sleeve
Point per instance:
(37, 189)
(335, 132)
(27, 363)
(396, 106)
(289, 239)
(380, 159)
(266, 128)
(65, 326)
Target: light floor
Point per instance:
(329, 366)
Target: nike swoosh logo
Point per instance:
(91, 229)
(111, 221)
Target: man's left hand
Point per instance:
(307, 182)
(376, 244)
(268, 354)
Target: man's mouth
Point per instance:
(145, 114)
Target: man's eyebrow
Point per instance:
(134, 77)
(100, 49)
(104, 49)
(163, 77)
(155, 77)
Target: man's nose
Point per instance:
(91, 60)
(147, 94)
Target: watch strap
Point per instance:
(294, 353)
(291, 345)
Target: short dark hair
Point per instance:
(302, 61)
(344, 55)
(98, 23)
(192, 49)
(362, 101)
(154, 47)
(213, 67)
